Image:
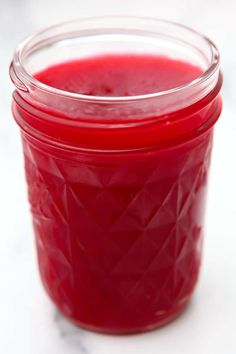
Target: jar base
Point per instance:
(126, 331)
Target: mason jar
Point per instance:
(117, 184)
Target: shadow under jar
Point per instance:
(117, 174)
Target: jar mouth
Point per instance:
(23, 79)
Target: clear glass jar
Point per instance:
(117, 185)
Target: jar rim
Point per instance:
(21, 77)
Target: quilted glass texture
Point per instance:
(118, 236)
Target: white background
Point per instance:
(29, 323)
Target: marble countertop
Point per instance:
(29, 324)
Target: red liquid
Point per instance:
(117, 75)
(119, 234)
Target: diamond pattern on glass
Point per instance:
(118, 236)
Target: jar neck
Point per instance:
(113, 123)
(156, 132)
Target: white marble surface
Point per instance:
(29, 323)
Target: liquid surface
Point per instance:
(118, 235)
(119, 75)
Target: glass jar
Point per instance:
(117, 185)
